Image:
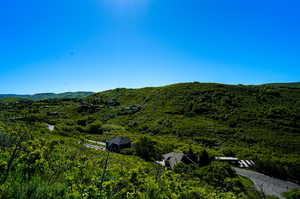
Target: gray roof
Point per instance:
(119, 140)
(173, 158)
(177, 155)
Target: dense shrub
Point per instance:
(145, 147)
(66, 130)
(216, 174)
(294, 194)
(95, 127)
(290, 171)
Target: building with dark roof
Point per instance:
(118, 143)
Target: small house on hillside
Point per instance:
(173, 158)
(118, 143)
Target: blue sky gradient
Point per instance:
(94, 45)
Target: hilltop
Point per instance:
(291, 84)
(201, 107)
(43, 96)
(66, 95)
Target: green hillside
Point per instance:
(259, 123)
(44, 96)
(12, 99)
(66, 95)
(192, 109)
(292, 84)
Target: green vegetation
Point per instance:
(292, 84)
(95, 128)
(67, 95)
(261, 123)
(45, 96)
(294, 194)
(145, 148)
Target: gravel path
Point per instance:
(102, 148)
(269, 185)
(94, 146)
(97, 142)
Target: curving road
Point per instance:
(94, 146)
(269, 185)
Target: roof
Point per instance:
(177, 155)
(119, 140)
(227, 158)
(173, 158)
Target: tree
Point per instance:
(95, 127)
(204, 158)
(145, 148)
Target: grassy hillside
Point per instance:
(66, 95)
(257, 122)
(44, 96)
(194, 109)
(12, 99)
(261, 123)
(292, 84)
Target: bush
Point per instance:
(204, 158)
(271, 168)
(294, 194)
(216, 174)
(146, 149)
(83, 121)
(65, 130)
(95, 127)
(127, 151)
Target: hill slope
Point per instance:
(252, 122)
(43, 96)
(194, 108)
(291, 84)
(261, 123)
(66, 95)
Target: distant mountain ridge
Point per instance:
(43, 96)
(13, 95)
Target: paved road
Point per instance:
(269, 185)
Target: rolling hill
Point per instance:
(43, 96)
(291, 84)
(259, 123)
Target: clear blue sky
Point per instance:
(70, 45)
